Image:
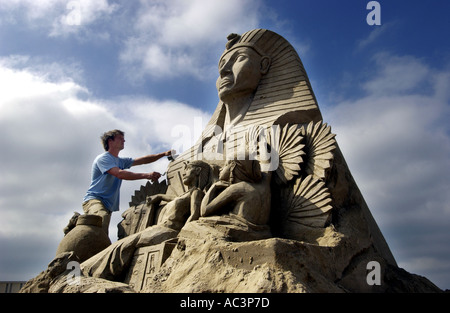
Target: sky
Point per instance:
(71, 70)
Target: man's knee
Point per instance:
(96, 207)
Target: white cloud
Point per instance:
(36, 78)
(51, 131)
(375, 35)
(45, 152)
(59, 18)
(161, 120)
(32, 9)
(79, 14)
(399, 75)
(396, 140)
(173, 38)
(159, 39)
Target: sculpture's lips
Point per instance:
(225, 82)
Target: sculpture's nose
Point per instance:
(225, 69)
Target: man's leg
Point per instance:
(96, 207)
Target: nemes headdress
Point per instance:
(247, 40)
(284, 94)
(285, 87)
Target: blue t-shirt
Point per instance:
(106, 187)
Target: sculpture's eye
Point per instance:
(241, 57)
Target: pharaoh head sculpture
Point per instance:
(199, 174)
(275, 84)
(240, 69)
(277, 79)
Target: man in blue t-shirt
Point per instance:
(108, 171)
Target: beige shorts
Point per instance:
(96, 207)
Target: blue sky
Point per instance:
(70, 70)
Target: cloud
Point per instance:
(80, 15)
(173, 38)
(399, 75)
(160, 40)
(156, 39)
(375, 35)
(32, 9)
(51, 127)
(396, 140)
(60, 18)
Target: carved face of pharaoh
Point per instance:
(240, 71)
(190, 178)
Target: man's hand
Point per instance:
(153, 176)
(151, 158)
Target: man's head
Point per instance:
(113, 137)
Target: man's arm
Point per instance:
(127, 175)
(150, 158)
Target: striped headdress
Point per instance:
(284, 94)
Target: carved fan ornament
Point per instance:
(304, 154)
(286, 150)
(287, 142)
(319, 146)
(307, 201)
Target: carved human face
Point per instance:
(191, 174)
(240, 71)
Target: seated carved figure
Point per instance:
(242, 190)
(112, 262)
(198, 177)
(237, 207)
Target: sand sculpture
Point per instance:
(263, 202)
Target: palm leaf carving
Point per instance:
(286, 150)
(319, 146)
(307, 202)
(287, 141)
(253, 137)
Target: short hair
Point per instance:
(110, 135)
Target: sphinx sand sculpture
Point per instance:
(263, 202)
